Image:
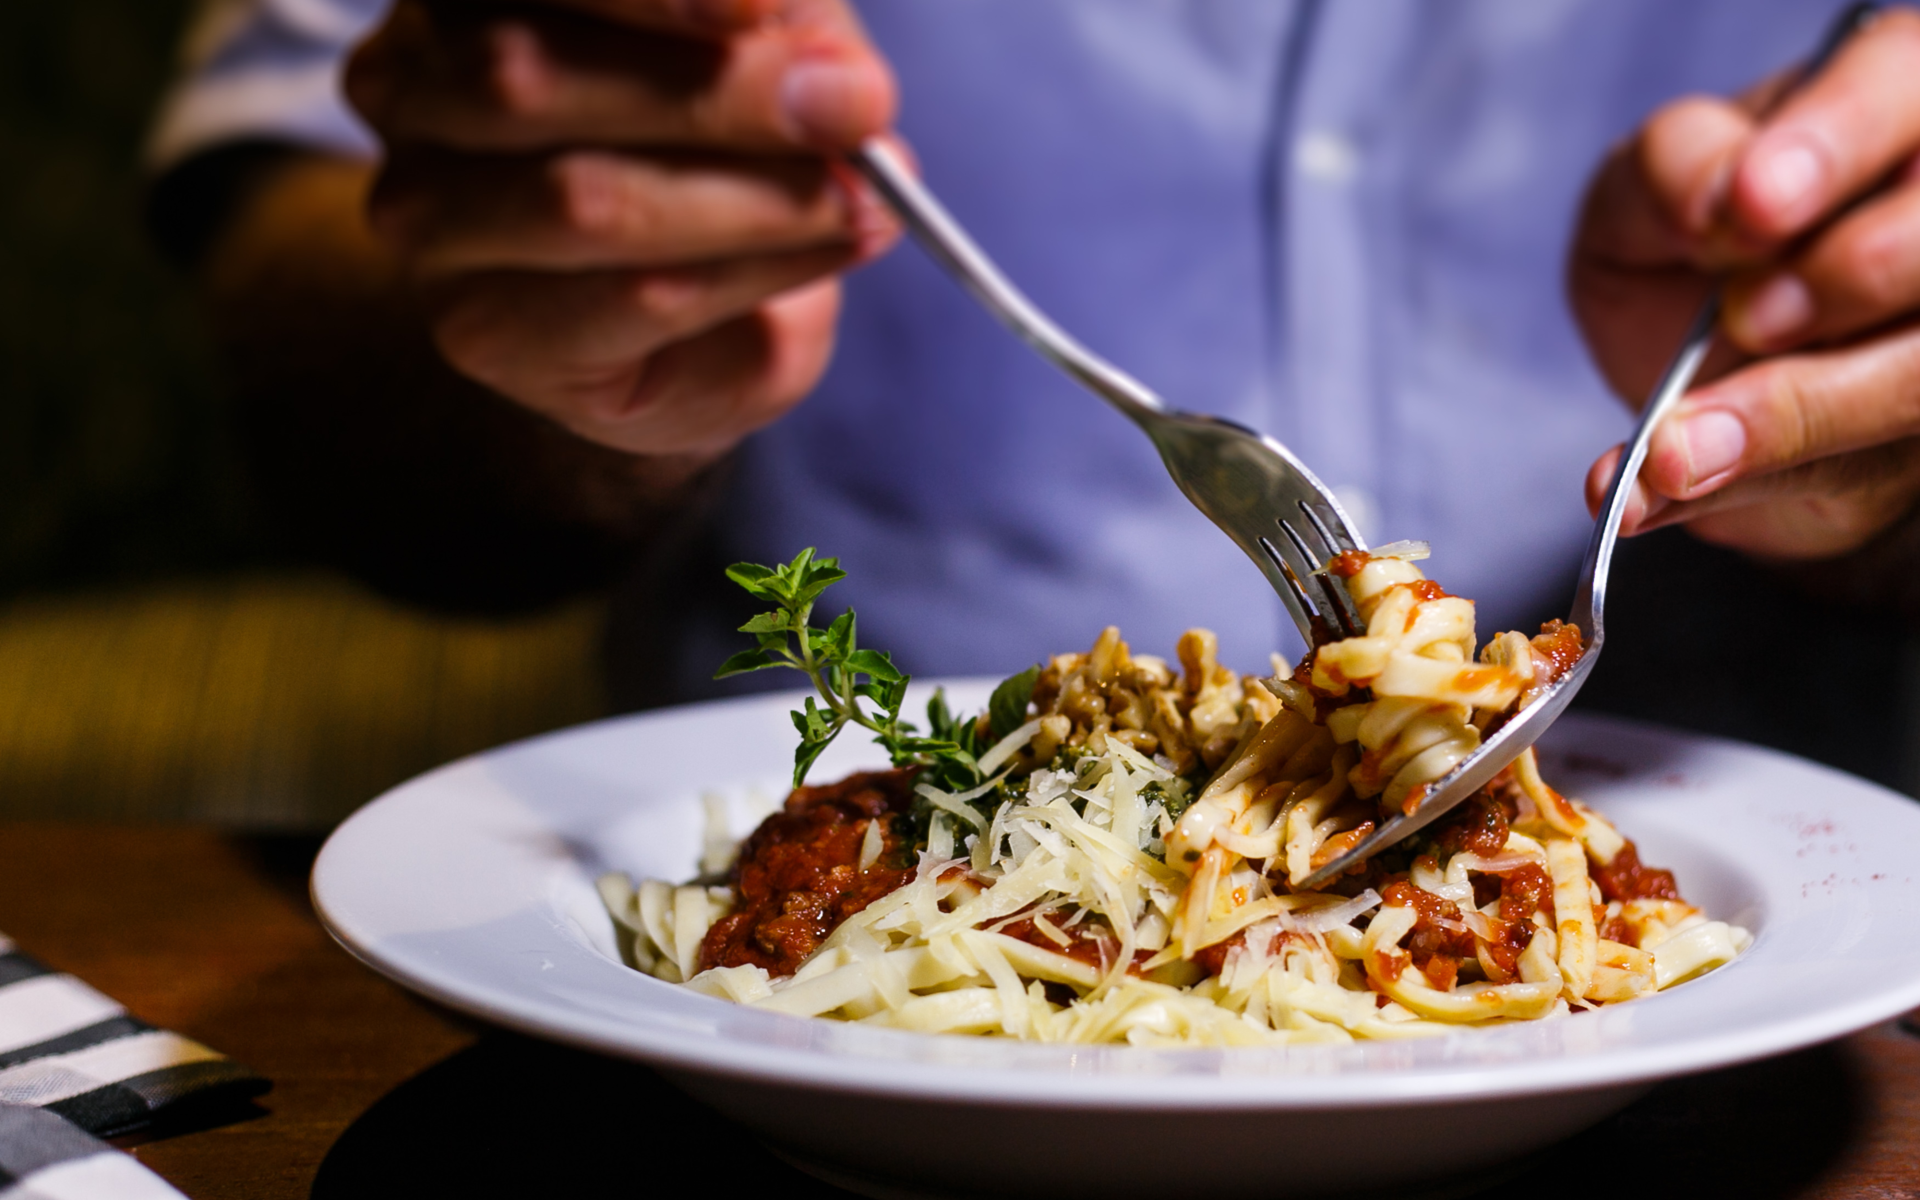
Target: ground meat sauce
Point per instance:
(1213, 959)
(1503, 950)
(1477, 827)
(1561, 645)
(1504, 789)
(799, 875)
(1439, 942)
(1435, 948)
(1525, 890)
(1627, 878)
(1090, 941)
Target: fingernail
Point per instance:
(1715, 439)
(1778, 309)
(1789, 177)
(824, 99)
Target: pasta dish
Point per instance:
(1115, 851)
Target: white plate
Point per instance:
(474, 885)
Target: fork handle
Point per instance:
(943, 237)
(1589, 601)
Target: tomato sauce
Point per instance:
(799, 876)
(1349, 563)
(1627, 878)
(1615, 930)
(1213, 959)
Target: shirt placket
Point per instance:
(1332, 364)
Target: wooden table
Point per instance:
(377, 1094)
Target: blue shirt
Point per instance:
(1343, 224)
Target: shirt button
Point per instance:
(1326, 156)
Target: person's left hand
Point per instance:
(1805, 443)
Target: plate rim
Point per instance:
(1009, 1085)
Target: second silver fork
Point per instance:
(1251, 486)
(1590, 599)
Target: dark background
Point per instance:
(115, 461)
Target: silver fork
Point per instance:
(1590, 598)
(1251, 486)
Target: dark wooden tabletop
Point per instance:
(377, 1094)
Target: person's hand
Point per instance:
(1805, 443)
(628, 214)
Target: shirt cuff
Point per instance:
(302, 107)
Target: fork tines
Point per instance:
(1323, 597)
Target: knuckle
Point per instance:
(516, 80)
(1678, 118)
(592, 408)
(1676, 132)
(665, 299)
(1683, 151)
(469, 333)
(1792, 413)
(466, 345)
(1873, 266)
(801, 335)
(588, 196)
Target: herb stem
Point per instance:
(844, 708)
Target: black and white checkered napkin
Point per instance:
(74, 1064)
(44, 1157)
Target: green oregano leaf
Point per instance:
(1007, 710)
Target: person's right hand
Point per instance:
(628, 214)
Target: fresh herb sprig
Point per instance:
(847, 679)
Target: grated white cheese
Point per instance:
(1070, 858)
